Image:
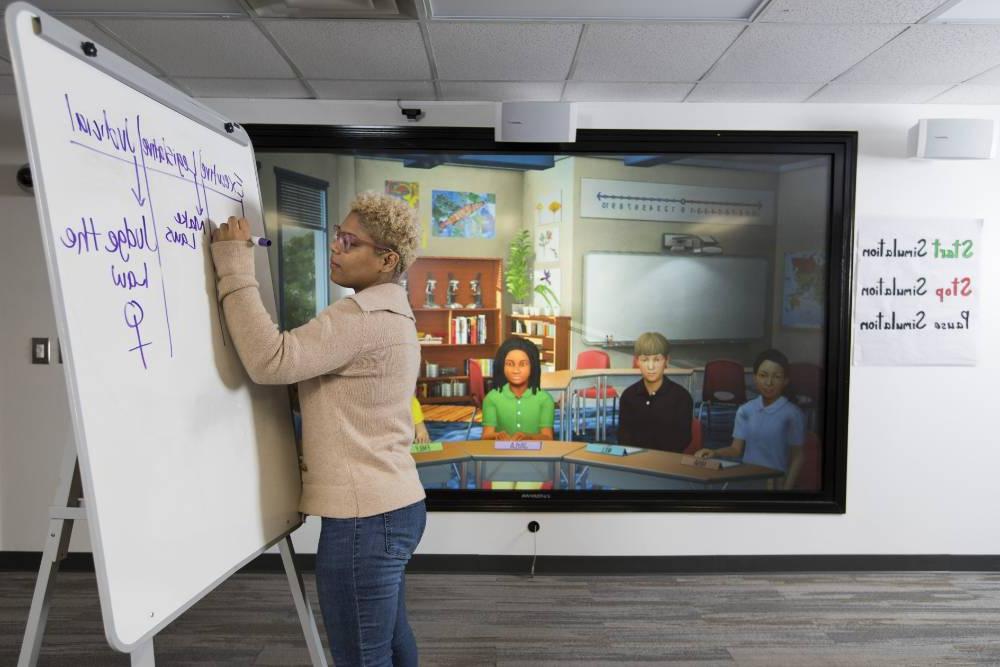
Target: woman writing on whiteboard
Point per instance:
(355, 364)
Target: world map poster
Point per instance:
(803, 290)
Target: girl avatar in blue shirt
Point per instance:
(770, 430)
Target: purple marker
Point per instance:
(260, 240)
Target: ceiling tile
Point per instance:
(989, 78)
(251, 88)
(780, 53)
(373, 90)
(666, 52)
(931, 54)
(390, 50)
(503, 51)
(879, 93)
(7, 85)
(607, 91)
(969, 93)
(501, 91)
(847, 11)
(752, 92)
(202, 48)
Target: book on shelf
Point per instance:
(485, 365)
(531, 328)
(469, 330)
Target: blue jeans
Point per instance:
(360, 577)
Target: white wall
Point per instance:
(906, 425)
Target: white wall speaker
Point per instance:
(539, 122)
(953, 139)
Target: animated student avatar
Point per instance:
(770, 430)
(516, 408)
(420, 433)
(656, 413)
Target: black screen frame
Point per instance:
(842, 149)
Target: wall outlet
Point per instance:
(40, 348)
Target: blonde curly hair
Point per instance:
(391, 222)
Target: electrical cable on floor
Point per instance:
(533, 528)
(534, 556)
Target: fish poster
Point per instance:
(466, 215)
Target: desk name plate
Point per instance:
(524, 445)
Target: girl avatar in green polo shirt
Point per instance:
(516, 408)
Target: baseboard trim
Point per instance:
(596, 565)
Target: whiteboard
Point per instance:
(685, 298)
(188, 469)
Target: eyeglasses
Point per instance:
(348, 240)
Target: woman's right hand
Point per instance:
(704, 454)
(234, 229)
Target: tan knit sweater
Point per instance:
(356, 364)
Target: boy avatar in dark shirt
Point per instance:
(655, 412)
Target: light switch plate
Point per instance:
(40, 348)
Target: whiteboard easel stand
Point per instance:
(67, 508)
(68, 505)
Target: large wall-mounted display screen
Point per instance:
(635, 321)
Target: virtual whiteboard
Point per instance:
(685, 298)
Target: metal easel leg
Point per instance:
(143, 656)
(66, 509)
(306, 618)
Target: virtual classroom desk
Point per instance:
(646, 470)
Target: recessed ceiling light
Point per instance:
(334, 9)
(577, 10)
(231, 8)
(970, 11)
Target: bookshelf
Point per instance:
(465, 333)
(549, 332)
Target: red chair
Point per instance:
(810, 475)
(477, 390)
(805, 388)
(595, 359)
(695, 443)
(723, 384)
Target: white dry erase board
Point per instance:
(188, 469)
(684, 298)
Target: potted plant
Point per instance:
(518, 271)
(551, 300)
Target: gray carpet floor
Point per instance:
(769, 620)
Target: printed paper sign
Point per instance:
(917, 293)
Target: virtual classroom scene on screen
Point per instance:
(592, 322)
